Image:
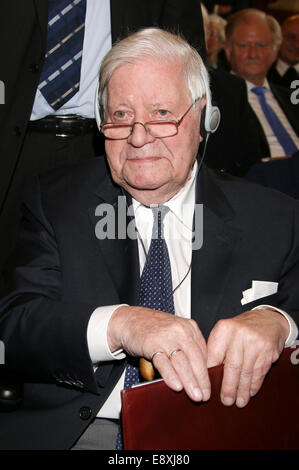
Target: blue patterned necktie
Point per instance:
(281, 134)
(155, 286)
(156, 280)
(60, 77)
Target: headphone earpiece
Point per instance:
(210, 118)
(97, 113)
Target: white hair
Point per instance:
(220, 24)
(153, 44)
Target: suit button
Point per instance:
(85, 413)
(17, 131)
(34, 68)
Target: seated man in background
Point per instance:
(162, 260)
(252, 42)
(286, 69)
(234, 147)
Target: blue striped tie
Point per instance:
(155, 286)
(281, 134)
(60, 77)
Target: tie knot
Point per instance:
(159, 213)
(258, 90)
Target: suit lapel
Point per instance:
(291, 111)
(118, 251)
(212, 263)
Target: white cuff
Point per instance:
(97, 335)
(293, 327)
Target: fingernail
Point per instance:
(240, 402)
(197, 394)
(227, 401)
(177, 385)
(206, 393)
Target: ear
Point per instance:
(227, 50)
(275, 54)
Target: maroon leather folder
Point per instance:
(157, 418)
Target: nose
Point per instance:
(252, 52)
(140, 136)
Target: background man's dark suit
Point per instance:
(282, 80)
(64, 272)
(234, 147)
(23, 27)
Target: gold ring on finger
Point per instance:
(157, 352)
(173, 353)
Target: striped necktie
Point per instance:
(281, 134)
(155, 286)
(60, 77)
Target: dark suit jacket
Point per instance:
(291, 111)
(275, 78)
(233, 147)
(281, 174)
(63, 272)
(23, 27)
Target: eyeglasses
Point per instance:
(157, 129)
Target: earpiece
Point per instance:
(211, 114)
(97, 108)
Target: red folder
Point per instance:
(157, 418)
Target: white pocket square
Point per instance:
(258, 290)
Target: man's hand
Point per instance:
(146, 333)
(247, 345)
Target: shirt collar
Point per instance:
(282, 67)
(182, 203)
(252, 85)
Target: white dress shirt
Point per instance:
(276, 149)
(178, 232)
(281, 67)
(97, 42)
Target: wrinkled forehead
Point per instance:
(151, 79)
